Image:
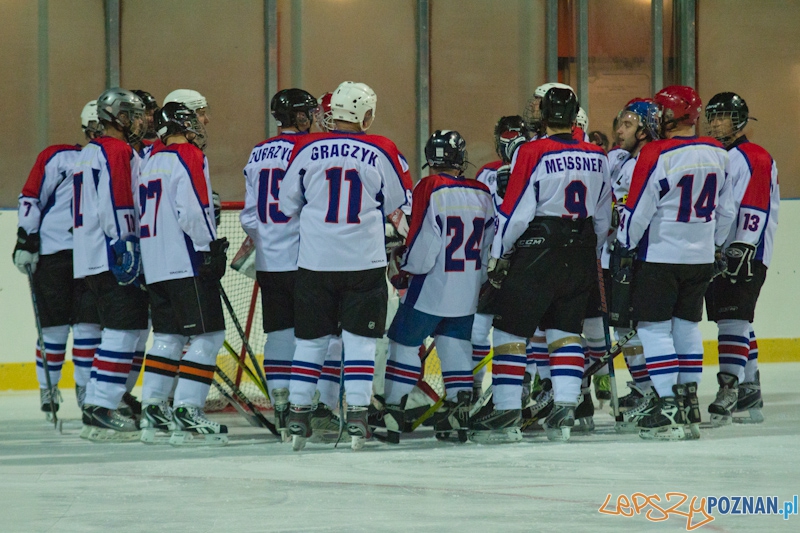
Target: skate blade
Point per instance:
(584, 425)
(96, 434)
(496, 436)
(185, 438)
(626, 427)
(155, 436)
(324, 436)
(719, 421)
(298, 442)
(663, 433)
(692, 431)
(756, 417)
(357, 442)
(558, 434)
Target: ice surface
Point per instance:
(52, 482)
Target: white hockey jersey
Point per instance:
(554, 177)
(679, 204)
(276, 235)
(487, 175)
(756, 197)
(342, 186)
(452, 225)
(621, 173)
(176, 218)
(103, 210)
(45, 205)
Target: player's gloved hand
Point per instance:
(720, 262)
(215, 260)
(127, 264)
(615, 215)
(503, 173)
(740, 257)
(510, 147)
(215, 199)
(498, 270)
(621, 263)
(26, 251)
(400, 280)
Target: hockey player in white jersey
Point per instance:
(44, 246)
(106, 254)
(341, 185)
(638, 124)
(509, 133)
(555, 212)
(444, 264)
(183, 262)
(277, 239)
(731, 298)
(678, 207)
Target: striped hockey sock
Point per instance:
(751, 367)
(733, 346)
(85, 340)
(359, 367)
(55, 346)
(196, 370)
(660, 356)
(403, 369)
(508, 369)
(688, 342)
(329, 379)
(566, 364)
(278, 352)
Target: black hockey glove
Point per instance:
(503, 173)
(720, 262)
(740, 257)
(214, 261)
(498, 270)
(215, 199)
(26, 251)
(621, 263)
(510, 147)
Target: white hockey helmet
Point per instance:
(351, 101)
(191, 99)
(89, 122)
(541, 90)
(582, 120)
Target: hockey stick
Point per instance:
(43, 352)
(435, 407)
(252, 420)
(246, 369)
(239, 329)
(611, 372)
(609, 356)
(245, 400)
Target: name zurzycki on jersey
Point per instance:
(174, 191)
(102, 208)
(570, 176)
(756, 197)
(345, 184)
(448, 245)
(277, 236)
(679, 200)
(45, 205)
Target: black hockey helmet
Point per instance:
(446, 149)
(176, 118)
(727, 105)
(506, 131)
(149, 100)
(287, 103)
(559, 108)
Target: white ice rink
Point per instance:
(51, 482)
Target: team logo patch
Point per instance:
(371, 325)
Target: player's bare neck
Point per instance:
(112, 131)
(681, 131)
(555, 131)
(341, 125)
(178, 138)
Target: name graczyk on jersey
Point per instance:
(344, 150)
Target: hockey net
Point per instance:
(245, 296)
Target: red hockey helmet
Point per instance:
(679, 105)
(322, 114)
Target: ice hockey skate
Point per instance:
(750, 401)
(280, 403)
(101, 424)
(632, 399)
(191, 424)
(80, 395)
(559, 423)
(156, 423)
(539, 407)
(455, 418)
(492, 426)
(358, 427)
(130, 406)
(725, 402)
(299, 425)
(667, 421)
(45, 396)
(394, 420)
(325, 424)
(691, 409)
(645, 406)
(584, 413)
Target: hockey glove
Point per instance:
(214, 261)
(498, 270)
(503, 173)
(215, 199)
(720, 262)
(510, 147)
(740, 257)
(621, 263)
(400, 280)
(26, 251)
(127, 260)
